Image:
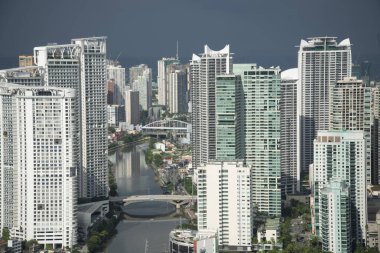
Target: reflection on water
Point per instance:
(149, 209)
(132, 236)
(134, 177)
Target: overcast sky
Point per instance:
(261, 31)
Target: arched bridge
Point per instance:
(162, 127)
(176, 200)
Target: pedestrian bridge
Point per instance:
(164, 126)
(176, 200)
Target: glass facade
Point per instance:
(261, 133)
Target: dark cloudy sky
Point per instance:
(261, 31)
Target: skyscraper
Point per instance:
(162, 81)
(261, 131)
(116, 73)
(341, 154)
(228, 136)
(176, 95)
(290, 181)
(321, 62)
(140, 79)
(350, 109)
(38, 170)
(25, 60)
(28, 76)
(375, 144)
(82, 65)
(203, 72)
(132, 107)
(224, 203)
(336, 217)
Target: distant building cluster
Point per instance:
(311, 130)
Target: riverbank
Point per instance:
(121, 144)
(134, 176)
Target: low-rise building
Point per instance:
(181, 241)
(373, 224)
(90, 214)
(190, 241)
(270, 231)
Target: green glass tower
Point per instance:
(227, 101)
(261, 133)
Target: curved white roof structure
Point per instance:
(195, 57)
(290, 74)
(225, 50)
(345, 42)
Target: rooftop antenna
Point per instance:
(119, 55)
(146, 246)
(177, 52)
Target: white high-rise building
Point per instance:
(162, 82)
(224, 203)
(321, 62)
(28, 76)
(38, 170)
(140, 78)
(82, 65)
(290, 177)
(341, 154)
(350, 109)
(203, 72)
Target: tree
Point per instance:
(363, 249)
(93, 243)
(157, 159)
(111, 130)
(29, 245)
(6, 234)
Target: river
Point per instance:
(134, 177)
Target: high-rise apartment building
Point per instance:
(82, 65)
(341, 154)
(375, 144)
(335, 218)
(93, 115)
(350, 109)
(162, 81)
(28, 76)
(261, 131)
(203, 72)
(116, 73)
(132, 107)
(228, 127)
(38, 169)
(290, 177)
(176, 88)
(224, 203)
(140, 79)
(25, 60)
(321, 62)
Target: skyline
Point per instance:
(139, 30)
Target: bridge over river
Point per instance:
(176, 200)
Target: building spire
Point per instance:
(177, 52)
